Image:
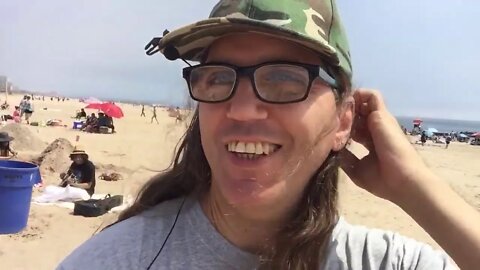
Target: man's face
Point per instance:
(78, 159)
(301, 135)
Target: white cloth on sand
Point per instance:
(65, 197)
(53, 194)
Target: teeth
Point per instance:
(240, 147)
(258, 148)
(266, 148)
(250, 149)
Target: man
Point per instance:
(22, 105)
(81, 114)
(5, 149)
(90, 123)
(423, 138)
(154, 116)
(254, 181)
(102, 120)
(81, 173)
(142, 114)
(28, 109)
(448, 140)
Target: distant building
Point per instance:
(4, 83)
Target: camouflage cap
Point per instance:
(314, 24)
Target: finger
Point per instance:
(368, 101)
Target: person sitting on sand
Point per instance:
(105, 121)
(5, 149)
(110, 123)
(81, 173)
(81, 114)
(90, 123)
(15, 115)
(102, 120)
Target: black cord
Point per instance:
(168, 235)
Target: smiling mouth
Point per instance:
(252, 150)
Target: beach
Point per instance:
(140, 149)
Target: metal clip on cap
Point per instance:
(170, 52)
(152, 47)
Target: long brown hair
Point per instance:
(301, 242)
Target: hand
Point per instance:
(71, 182)
(392, 164)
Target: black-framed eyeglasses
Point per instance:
(273, 82)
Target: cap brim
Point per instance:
(78, 154)
(191, 41)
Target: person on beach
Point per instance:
(22, 105)
(81, 114)
(110, 123)
(28, 109)
(90, 124)
(448, 140)
(254, 181)
(143, 111)
(154, 116)
(423, 138)
(5, 149)
(81, 173)
(15, 116)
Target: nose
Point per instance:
(244, 105)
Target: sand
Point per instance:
(140, 149)
(25, 138)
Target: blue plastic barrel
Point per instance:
(16, 181)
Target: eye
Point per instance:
(220, 77)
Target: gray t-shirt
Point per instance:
(195, 244)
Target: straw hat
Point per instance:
(4, 137)
(78, 150)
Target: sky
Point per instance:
(422, 55)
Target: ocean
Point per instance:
(442, 125)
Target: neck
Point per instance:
(247, 233)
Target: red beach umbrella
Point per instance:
(109, 109)
(112, 110)
(95, 106)
(417, 121)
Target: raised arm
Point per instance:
(394, 171)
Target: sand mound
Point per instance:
(25, 139)
(56, 157)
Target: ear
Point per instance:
(345, 117)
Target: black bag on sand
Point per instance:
(95, 208)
